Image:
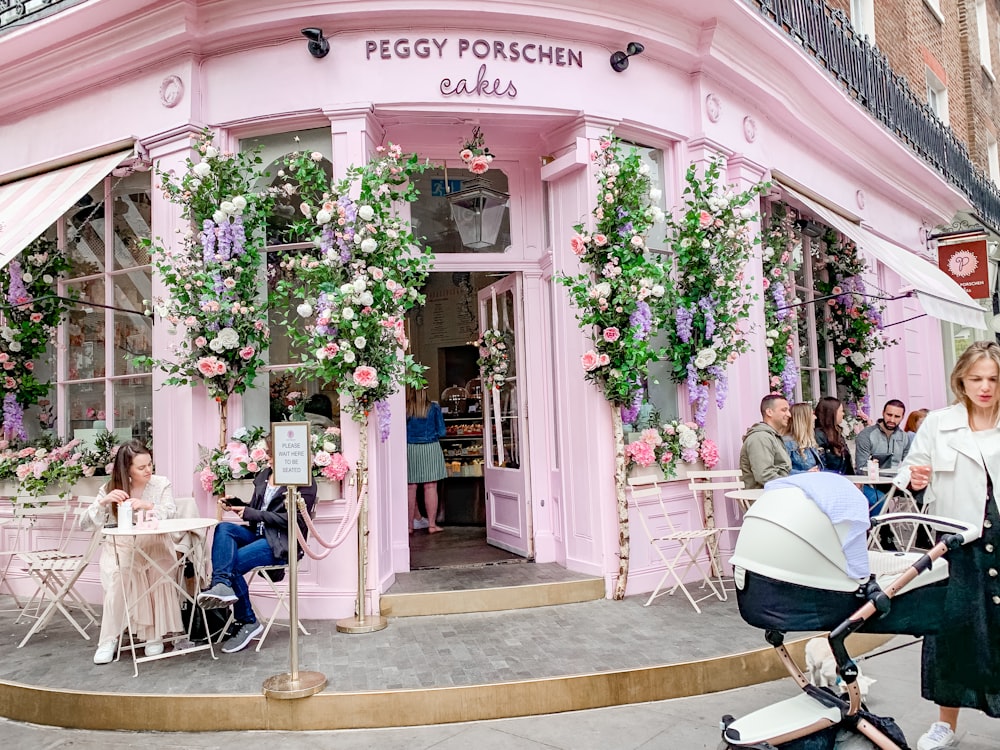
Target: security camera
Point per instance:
(318, 45)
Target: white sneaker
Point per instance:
(105, 653)
(420, 523)
(938, 737)
(154, 648)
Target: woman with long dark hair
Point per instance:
(836, 454)
(157, 614)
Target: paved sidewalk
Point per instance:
(683, 724)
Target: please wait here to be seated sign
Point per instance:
(290, 454)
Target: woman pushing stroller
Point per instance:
(956, 457)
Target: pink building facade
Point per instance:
(715, 78)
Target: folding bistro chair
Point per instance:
(272, 574)
(45, 522)
(55, 573)
(904, 533)
(703, 485)
(674, 546)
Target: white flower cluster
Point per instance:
(687, 436)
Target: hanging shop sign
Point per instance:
(482, 83)
(966, 260)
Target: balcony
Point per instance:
(15, 13)
(865, 75)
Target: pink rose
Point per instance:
(479, 165)
(612, 334)
(590, 360)
(600, 240)
(247, 352)
(366, 376)
(577, 244)
(604, 360)
(200, 342)
(220, 367)
(258, 454)
(206, 366)
(704, 219)
(466, 155)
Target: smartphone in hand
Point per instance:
(233, 502)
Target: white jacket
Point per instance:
(958, 462)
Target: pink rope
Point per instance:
(346, 524)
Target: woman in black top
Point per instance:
(836, 454)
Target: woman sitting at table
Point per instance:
(836, 454)
(157, 613)
(801, 440)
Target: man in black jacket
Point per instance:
(238, 549)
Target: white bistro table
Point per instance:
(171, 575)
(744, 497)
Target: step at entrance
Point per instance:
(487, 589)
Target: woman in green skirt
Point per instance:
(424, 458)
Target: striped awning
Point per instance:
(30, 206)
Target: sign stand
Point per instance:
(292, 469)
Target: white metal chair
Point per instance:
(674, 546)
(278, 593)
(55, 573)
(904, 533)
(44, 521)
(703, 486)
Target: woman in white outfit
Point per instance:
(157, 614)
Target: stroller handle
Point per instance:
(959, 531)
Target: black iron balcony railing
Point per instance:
(865, 74)
(15, 13)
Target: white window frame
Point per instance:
(822, 380)
(863, 18)
(937, 95)
(983, 31)
(934, 6)
(993, 158)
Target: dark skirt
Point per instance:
(424, 463)
(960, 667)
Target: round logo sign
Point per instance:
(962, 263)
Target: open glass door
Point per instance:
(508, 505)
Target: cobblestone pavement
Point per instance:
(684, 724)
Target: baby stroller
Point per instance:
(796, 569)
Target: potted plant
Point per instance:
(229, 471)
(329, 466)
(668, 451)
(97, 464)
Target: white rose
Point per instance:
(858, 359)
(47, 279)
(323, 217)
(347, 288)
(360, 342)
(366, 299)
(304, 310)
(228, 207)
(240, 202)
(841, 360)
(321, 354)
(643, 168)
(218, 217)
(229, 338)
(215, 345)
(655, 194)
(349, 357)
(316, 156)
(211, 152)
(202, 169)
(705, 358)
(657, 290)
(15, 346)
(27, 278)
(329, 446)
(360, 284)
(347, 313)
(368, 245)
(366, 213)
(658, 215)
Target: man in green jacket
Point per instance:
(764, 456)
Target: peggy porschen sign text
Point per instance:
(484, 50)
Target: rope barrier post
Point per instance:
(290, 470)
(362, 623)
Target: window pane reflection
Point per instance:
(86, 329)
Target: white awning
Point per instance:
(30, 206)
(940, 295)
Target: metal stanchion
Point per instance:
(293, 684)
(362, 623)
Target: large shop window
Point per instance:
(99, 384)
(278, 388)
(816, 374)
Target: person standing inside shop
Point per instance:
(424, 457)
(956, 456)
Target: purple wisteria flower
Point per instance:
(641, 320)
(17, 292)
(707, 306)
(239, 237)
(789, 377)
(207, 236)
(718, 373)
(384, 413)
(697, 394)
(781, 311)
(684, 319)
(13, 417)
(631, 413)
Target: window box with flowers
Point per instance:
(97, 464)
(329, 466)
(669, 451)
(240, 459)
(48, 471)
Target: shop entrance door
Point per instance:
(508, 503)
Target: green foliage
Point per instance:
(345, 300)
(621, 295)
(213, 303)
(782, 257)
